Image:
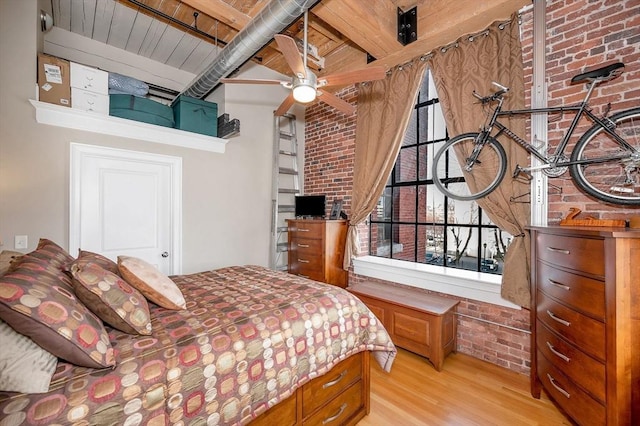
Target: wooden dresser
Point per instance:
(585, 319)
(316, 249)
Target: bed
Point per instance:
(251, 346)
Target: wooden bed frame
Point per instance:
(339, 397)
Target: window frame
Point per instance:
(482, 226)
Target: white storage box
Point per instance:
(89, 101)
(89, 78)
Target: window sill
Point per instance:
(61, 116)
(456, 282)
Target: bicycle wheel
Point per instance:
(471, 182)
(613, 171)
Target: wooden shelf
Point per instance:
(56, 115)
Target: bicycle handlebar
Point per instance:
(494, 96)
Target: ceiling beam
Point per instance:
(369, 24)
(221, 11)
(442, 23)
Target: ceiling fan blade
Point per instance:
(336, 102)
(251, 81)
(285, 105)
(291, 54)
(350, 77)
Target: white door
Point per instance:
(126, 203)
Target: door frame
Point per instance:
(79, 152)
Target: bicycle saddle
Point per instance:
(603, 73)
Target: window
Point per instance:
(413, 221)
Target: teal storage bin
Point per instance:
(196, 115)
(140, 109)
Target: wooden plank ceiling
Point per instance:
(183, 33)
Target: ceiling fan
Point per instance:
(305, 86)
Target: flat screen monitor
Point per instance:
(310, 206)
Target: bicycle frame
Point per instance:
(579, 110)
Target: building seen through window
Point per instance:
(413, 221)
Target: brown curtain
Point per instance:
(384, 108)
(472, 63)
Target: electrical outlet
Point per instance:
(20, 242)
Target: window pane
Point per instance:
(406, 165)
(404, 202)
(432, 148)
(380, 239)
(438, 126)
(427, 88)
(431, 123)
(462, 248)
(431, 206)
(404, 242)
(434, 247)
(411, 135)
(382, 212)
(497, 242)
(463, 212)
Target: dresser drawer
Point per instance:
(579, 367)
(339, 410)
(586, 333)
(328, 386)
(307, 229)
(581, 293)
(580, 406)
(308, 247)
(583, 254)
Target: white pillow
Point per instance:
(156, 287)
(24, 366)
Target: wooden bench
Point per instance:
(417, 321)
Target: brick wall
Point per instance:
(583, 34)
(580, 33)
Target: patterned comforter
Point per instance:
(248, 338)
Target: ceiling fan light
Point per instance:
(304, 93)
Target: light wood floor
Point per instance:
(467, 391)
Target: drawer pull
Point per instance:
(560, 320)
(559, 285)
(558, 388)
(303, 245)
(335, 381)
(558, 250)
(335, 416)
(303, 261)
(302, 230)
(557, 353)
(303, 276)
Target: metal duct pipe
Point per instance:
(272, 19)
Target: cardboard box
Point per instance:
(54, 84)
(196, 115)
(89, 101)
(89, 78)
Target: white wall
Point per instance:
(226, 197)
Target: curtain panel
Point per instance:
(469, 64)
(384, 109)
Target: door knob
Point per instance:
(165, 254)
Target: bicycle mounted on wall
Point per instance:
(605, 161)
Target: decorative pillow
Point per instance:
(47, 256)
(39, 305)
(6, 258)
(24, 366)
(103, 262)
(156, 286)
(111, 298)
(55, 255)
